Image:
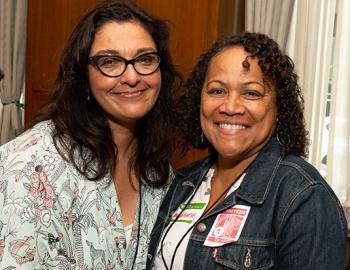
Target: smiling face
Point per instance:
(238, 109)
(129, 97)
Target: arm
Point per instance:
(19, 202)
(312, 234)
(17, 245)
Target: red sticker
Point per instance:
(227, 226)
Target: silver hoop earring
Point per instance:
(276, 132)
(278, 139)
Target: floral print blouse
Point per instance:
(51, 217)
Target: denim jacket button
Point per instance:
(201, 227)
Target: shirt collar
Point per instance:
(257, 181)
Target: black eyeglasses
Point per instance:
(114, 66)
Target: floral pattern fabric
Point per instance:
(51, 217)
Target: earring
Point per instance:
(88, 96)
(278, 139)
(202, 137)
(276, 132)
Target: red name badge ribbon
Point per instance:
(227, 226)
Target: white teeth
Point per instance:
(231, 126)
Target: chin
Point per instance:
(229, 155)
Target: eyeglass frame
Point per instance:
(94, 59)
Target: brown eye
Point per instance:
(216, 91)
(253, 94)
(106, 62)
(147, 59)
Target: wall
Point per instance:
(194, 27)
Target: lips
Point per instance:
(130, 94)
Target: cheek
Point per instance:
(202, 112)
(267, 119)
(99, 82)
(209, 106)
(154, 80)
(205, 115)
(93, 77)
(271, 120)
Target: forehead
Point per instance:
(128, 35)
(229, 62)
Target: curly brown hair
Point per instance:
(277, 69)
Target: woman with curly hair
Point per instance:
(81, 189)
(254, 202)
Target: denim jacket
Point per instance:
(295, 222)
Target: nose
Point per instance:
(232, 104)
(130, 76)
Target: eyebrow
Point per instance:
(216, 81)
(253, 82)
(115, 52)
(244, 83)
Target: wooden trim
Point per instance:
(231, 17)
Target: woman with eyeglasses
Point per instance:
(81, 188)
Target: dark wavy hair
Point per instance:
(277, 69)
(82, 132)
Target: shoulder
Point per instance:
(189, 175)
(28, 159)
(299, 166)
(306, 211)
(299, 175)
(193, 168)
(32, 139)
(300, 185)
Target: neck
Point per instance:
(124, 138)
(226, 169)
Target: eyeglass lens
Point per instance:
(115, 66)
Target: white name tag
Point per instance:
(193, 211)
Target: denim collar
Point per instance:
(260, 174)
(257, 182)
